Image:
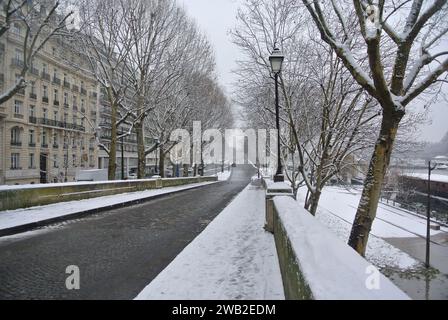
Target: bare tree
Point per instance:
(418, 66)
(40, 24)
(325, 112)
(106, 44)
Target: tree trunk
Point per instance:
(162, 163)
(140, 150)
(112, 168)
(314, 202)
(379, 163)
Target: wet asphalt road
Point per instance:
(118, 252)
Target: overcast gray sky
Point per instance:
(217, 17)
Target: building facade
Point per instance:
(47, 129)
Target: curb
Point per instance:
(76, 215)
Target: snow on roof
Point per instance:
(331, 268)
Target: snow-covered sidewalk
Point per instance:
(233, 258)
(21, 217)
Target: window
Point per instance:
(15, 135)
(16, 29)
(82, 84)
(75, 100)
(65, 160)
(18, 107)
(53, 50)
(74, 160)
(44, 68)
(32, 137)
(55, 161)
(33, 87)
(65, 98)
(65, 117)
(56, 95)
(32, 111)
(31, 162)
(15, 161)
(55, 115)
(18, 55)
(82, 103)
(55, 73)
(44, 138)
(55, 139)
(75, 119)
(45, 91)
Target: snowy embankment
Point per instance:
(233, 258)
(424, 176)
(337, 209)
(20, 217)
(326, 265)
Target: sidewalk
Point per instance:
(233, 258)
(20, 220)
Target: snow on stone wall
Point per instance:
(317, 265)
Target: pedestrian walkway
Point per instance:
(233, 258)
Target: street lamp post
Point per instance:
(276, 60)
(428, 214)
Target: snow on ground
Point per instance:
(337, 209)
(224, 176)
(233, 258)
(13, 218)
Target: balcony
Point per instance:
(32, 145)
(45, 99)
(56, 102)
(33, 120)
(46, 76)
(83, 91)
(55, 146)
(56, 81)
(34, 71)
(66, 85)
(75, 88)
(44, 145)
(48, 122)
(33, 96)
(16, 144)
(66, 105)
(17, 63)
(18, 116)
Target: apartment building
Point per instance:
(47, 129)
